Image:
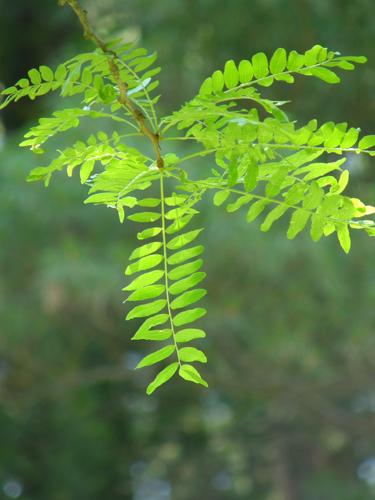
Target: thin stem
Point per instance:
(202, 152)
(147, 95)
(130, 183)
(164, 241)
(317, 148)
(113, 63)
(179, 139)
(205, 152)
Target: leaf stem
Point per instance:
(205, 152)
(302, 71)
(166, 281)
(270, 200)
(113, 62)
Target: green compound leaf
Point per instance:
(189, 316)
(34, 76)
(297, 222)
(178, 213)
(278, 61)
(149, 233)
(191, 374)
(251, 176)
(149, 202)
(46, 73)
(190, 354)
(256, 209)
(175, 200)
(342, 182)
(316, 54)
(343, 236)
(158, 319)
(367, 142)
(107, 198)
(206, 87)
(148, 292)
(86, 170)
(143, 264)
(147, 309)
(357, 59)
(188, 334)
(22, 83)
(220, 197)
(156, 356)
(144, 217)
(186, 283)
(178, 224)
(231, 76)
(217, 81)
(144, 250)
(313, 197)
(272, 216)
(325, 74)
(246, 71)
(260, 65)
(259, 157)
(295, 61)
(155, 335)
(188, 298)
(242, 200)
(144, 280)
(317, 227)
(184, 255)
(185, 269)
(162, 377)
(183, 239)
(350, 138)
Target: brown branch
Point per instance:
(123, 98)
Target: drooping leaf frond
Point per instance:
(167, 271)
(262, 71)
(268, 162)
(261, 162)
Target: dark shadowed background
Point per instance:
(290, 412)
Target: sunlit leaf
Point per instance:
(343, 236)
(188, 298)
(186, 283)
(185, 269)
(156, 356)
(162, 377)
(184, 255)
(189, 316)
(147, 309)
(144, 250)
(191, 374)
(148, 292)
(143, 264)
(188, 334)
(183, 239)
(190, 354)
(145, 279)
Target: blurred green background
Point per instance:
(290, 413)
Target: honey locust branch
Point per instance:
(123, 98)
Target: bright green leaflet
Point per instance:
(262, 162)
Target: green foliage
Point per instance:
(260, 160)
(173, 276)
